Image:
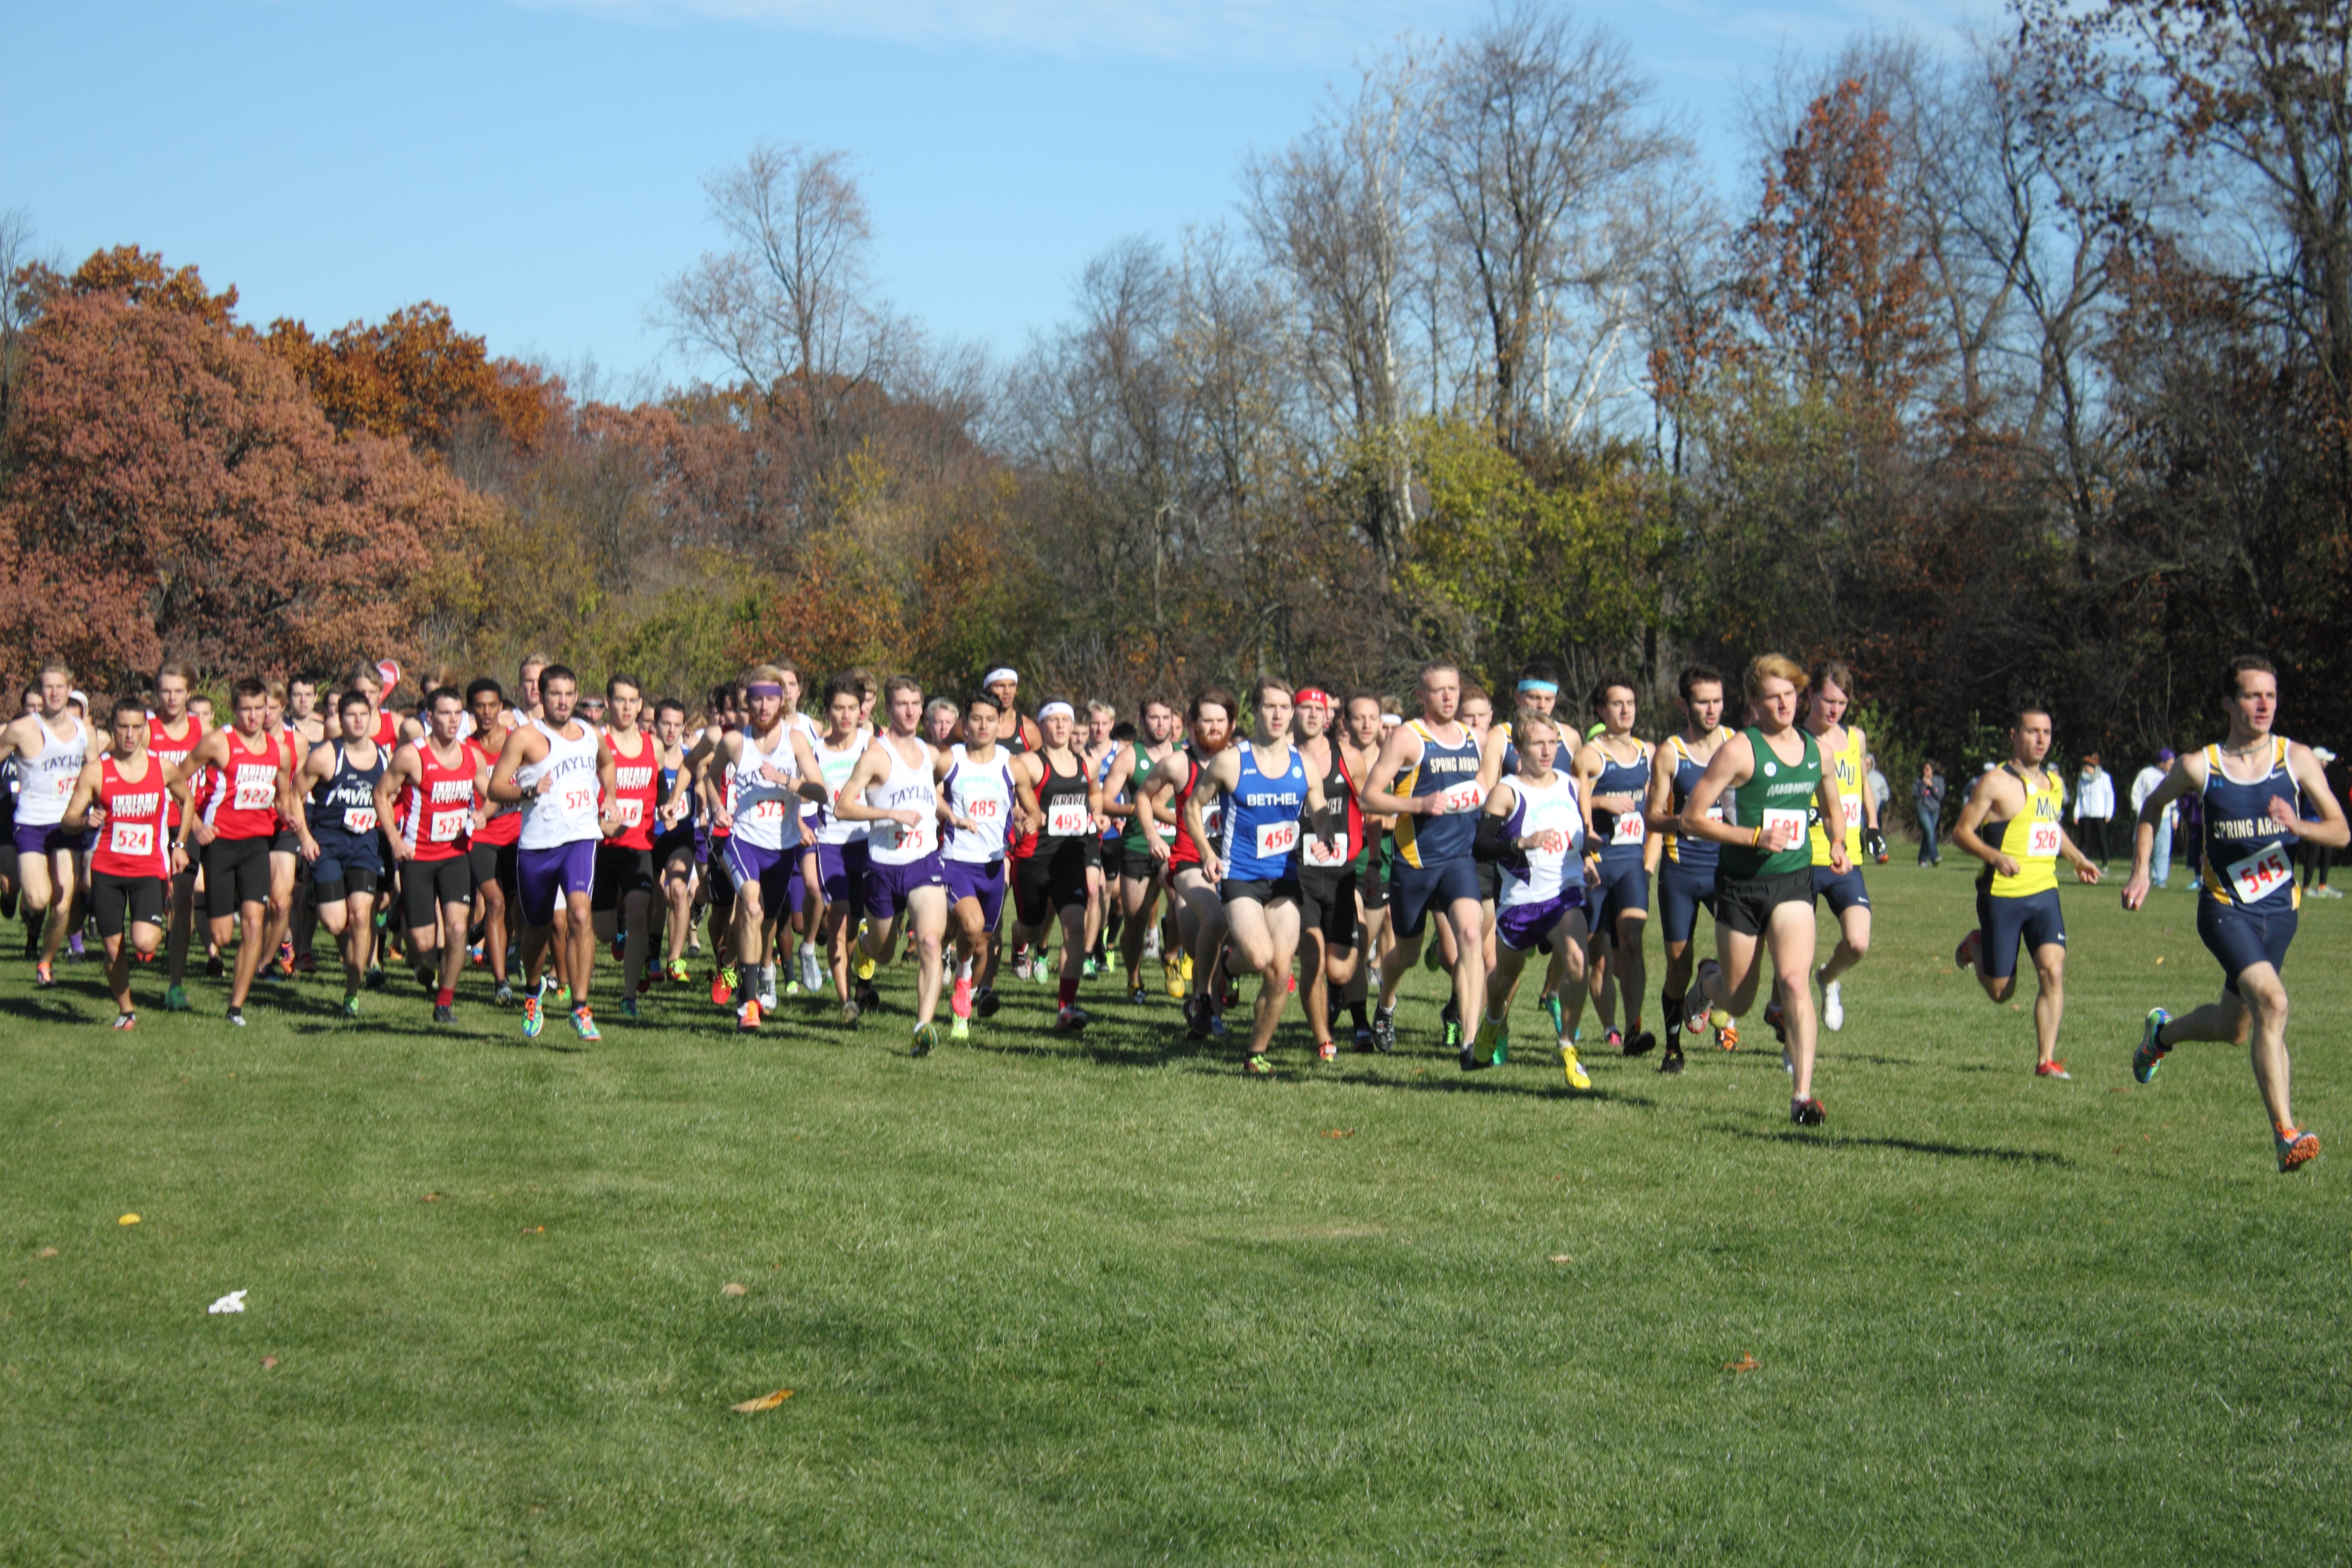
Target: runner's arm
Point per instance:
(1832, 807)
(85, 792)
(387, 794)
(1392, 765)
(2330, 830)
(1972, 817)
(871, 769)
(1733, 764)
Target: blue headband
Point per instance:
(1541, 688)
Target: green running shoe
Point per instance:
(1501, 1041)
(176, 1000)
(926, 1039)
(584, 1025)
(533, 1020)
(352, 1006)
(2150, 1055)
(1556, 1014)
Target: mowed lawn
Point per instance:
(1106, 1300)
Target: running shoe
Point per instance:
(1258, 1066)
(444, 1014)
(849, 1011)
(1726, 1038)
(1088, 970)
(1695, 1020)
(582, 1025)
(620, 946)
(1556, 1013)
(1384, 1030)
(175, 999)
(1326, 1050)
(374, 979)
(960, 1029)
(985, 1002)
(628, 1006)
(237, 1017)
(677, 972)
(1641, 1044)
(812, 971)
(533, 1020)
(867, 997)
(1673, 1060)
(1499, 1044)
(959, 998)
(1070, 1020)
(1184, 963)
(1136, 998)
(1965, 955)
(865, 966)
(1172, 972)
(1431, 959)
(1776, 1019)
(43, 976)
(1363, 1040)
(475, 955)
(1450, 1021)
(1833, 1006)
(926, 1039)
(1614, 1041)
(1217, 1029)
(768, 987)
(1805, 1111)
(1577, 1077)
(126, 1020)
(2150, 1054)
(213, 966)
(747, 1016)
(306, 964)
(503, 997)
(2050, 1070)
(352, 1006)
(722, 985)
(1788, 1062)
(563, 995)
(2296, 1149)
(1196, 1017)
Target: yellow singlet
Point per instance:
(2030, 838)
(1845, 764)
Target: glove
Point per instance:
(1873, 843)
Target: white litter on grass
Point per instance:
(232, 1302)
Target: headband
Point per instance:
(1390, 721)
(1315, 695)
(1002, 672)
(764, 688)
(1064, 708)
(1540, 688)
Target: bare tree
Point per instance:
(15, 300)
(1535, 157)
(789, 306)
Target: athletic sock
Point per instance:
(1355, 1015)
(444, 997)
(1672, 1006)
(1069, 993)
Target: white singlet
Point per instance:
(567, 812)
(983, 791)
(45, 780)
(837, 766)
(764, 809)
(893, 843)
(1551, 807)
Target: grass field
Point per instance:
(1105, 1300)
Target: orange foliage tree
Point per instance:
(415, 375)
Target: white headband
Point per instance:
(1064, 708)
(1003, 672)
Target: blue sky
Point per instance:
(537, 167)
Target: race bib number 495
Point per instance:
(1067, 819)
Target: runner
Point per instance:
(977, 797)
(1101, 751)
(1431, 764)
(1359, 754)
(335, 817)
(826, 764)
(2015, 823)
(758, 774)
(1019, 736)
(1268, 786)
(1329, 910)
(1613, 778)
(237, 827)
(1764, 884)
(559, 772)
(674, 856)
(1843, 750)
(428, 792)
(1532, 826)
(2255, 785)
(1138, 869)
(622, 899)
(496, 829)
(726, 717)
(895, 786)
(527, 700)
(122, 792)
(1061, 799)
(302, 715)
(51, 746)
(1201, 913)
(1687, 867)
(289, 884)
(173, 732)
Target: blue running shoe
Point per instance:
(2150, 1055)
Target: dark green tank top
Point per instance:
(1775, 787)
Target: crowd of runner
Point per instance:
(1321, 844)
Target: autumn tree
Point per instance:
(414, 376)
(172, 490)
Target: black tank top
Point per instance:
(1062, 789)
(344, 801)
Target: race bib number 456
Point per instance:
(1276, 839)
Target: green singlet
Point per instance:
(1776, 788)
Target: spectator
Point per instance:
(2094, 809)
(1928, 804)
(2144, 783)
(1880, 792)
(2318, 857)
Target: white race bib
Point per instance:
(631, 812)
(2260, 874)
(1328, 852)
(2041, 841)
(1628, 828)
(578, 802)
(359, 819)
(768, 809)
(1277, 840)
(443, 827)
(915, 840)
(987, 808)
(131, 839)
(1777, 818)
(256, 790)
(1067, 818)
(1463, 797)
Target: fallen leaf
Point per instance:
(2159, 961)
(765, 1401)
(1340, 1132)
(433, 1197)
(534, 1230)
(1561, 1257)
(127, 1219)
(1745, 1364)
(47, 1252)
(732, 1289)
(269, 1363)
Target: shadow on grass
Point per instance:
(1831, 1140)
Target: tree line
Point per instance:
(2017, 370)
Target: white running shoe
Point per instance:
(766, 988)
(812, 969)
(1832, 1007)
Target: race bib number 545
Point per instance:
(2262, 874)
